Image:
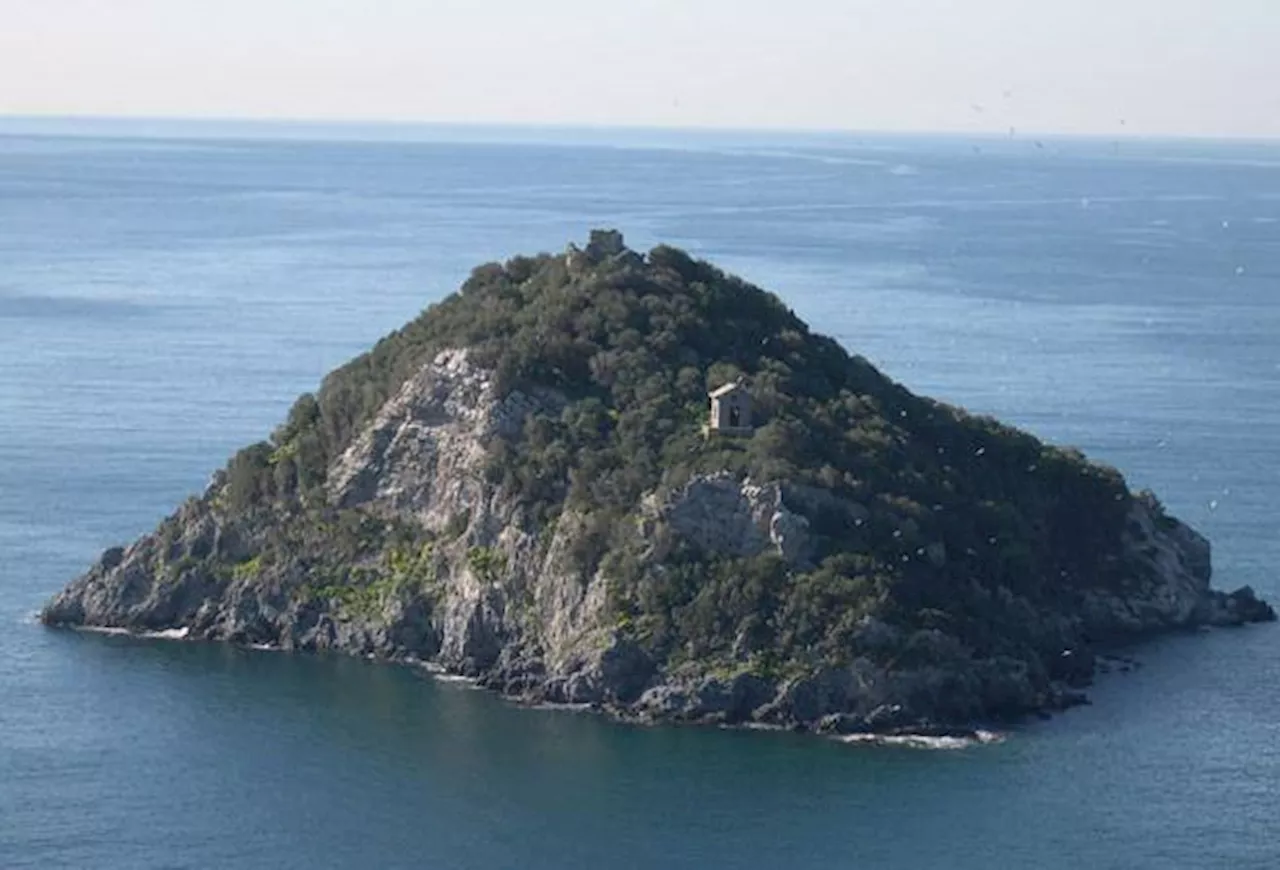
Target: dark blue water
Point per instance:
(163, 300)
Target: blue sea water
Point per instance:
(165, 293)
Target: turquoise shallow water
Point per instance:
(162, 300)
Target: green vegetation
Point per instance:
(486, 563)
(364, 590)
(969, 526)
(248, 569)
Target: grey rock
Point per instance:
(1237, 608)
(625, 668)
(721, 514)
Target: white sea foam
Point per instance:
(922, 741)
(105, 629)
(164, 634)
(562, 708)
(443, 676)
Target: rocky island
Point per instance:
(637, 483)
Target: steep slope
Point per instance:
(517, 487)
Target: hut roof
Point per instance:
(721, 392)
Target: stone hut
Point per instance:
(603, 246)
(730, 410)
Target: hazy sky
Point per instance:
(1114, 67)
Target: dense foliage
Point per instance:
(969, 526)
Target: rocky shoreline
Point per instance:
(838, 727)
(748, 701)
(919, 737)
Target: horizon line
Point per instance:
(390, 124)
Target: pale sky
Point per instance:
(1109, 67)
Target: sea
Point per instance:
(167, 289)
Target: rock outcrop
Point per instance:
(413, 548)
(720, 514)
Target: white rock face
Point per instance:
(424, 452)
(720, 514)
(424, 456)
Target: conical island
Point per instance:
(637, 483)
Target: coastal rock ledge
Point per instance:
(521, 487)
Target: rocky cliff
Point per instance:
(526, 497)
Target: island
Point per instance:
(635, 483)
